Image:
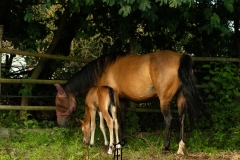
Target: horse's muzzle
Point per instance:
(62, 121)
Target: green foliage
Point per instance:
(132, 122)
(174, 3)
(180, 23)
(10, 119)
(28, 16)
(215, 20)
(125, 10)
(27, 89)
(222, 90)
(229, 5)
(144, 5)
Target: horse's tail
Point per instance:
(195, 105)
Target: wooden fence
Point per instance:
(58, 57)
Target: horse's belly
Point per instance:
(137, 93)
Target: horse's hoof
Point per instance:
(180, 152)
(165, 150)
(91, 145)
(118, 152)
(109, 151)
(181, 148)
(118, 146)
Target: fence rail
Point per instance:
(59, 57)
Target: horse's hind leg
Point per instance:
(181, 103)
(102, 127)
(165, 108)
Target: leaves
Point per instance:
(144, 5)
(223, 95)
(229, 5)
(215, 20)
(125, 10)
(28, 16)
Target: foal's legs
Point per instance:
(181, 103)
(92, 111)
(102, 127)
(109, 121)
(103, 107)
(115, 122)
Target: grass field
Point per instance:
(66, 144)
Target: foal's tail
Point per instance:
(114, 101)
(195, 105)
(121, 117)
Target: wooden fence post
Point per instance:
(1, 35)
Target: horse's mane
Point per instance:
(88, 76)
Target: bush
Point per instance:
(222, 90)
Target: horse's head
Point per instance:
(65, 105)
(85, 129)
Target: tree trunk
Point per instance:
(37, 70)
(63, 46)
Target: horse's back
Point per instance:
(91, 97)
(96, 95)
(134, 76)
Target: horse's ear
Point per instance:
(79, 120)
(59, 88)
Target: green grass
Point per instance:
(66, 144)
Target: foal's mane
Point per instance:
(89, 75)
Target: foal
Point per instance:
(101, 99)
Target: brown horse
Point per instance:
(141, 78)
(99, 99)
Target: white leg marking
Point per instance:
(181, 148)
(93, 126)
(109, 150)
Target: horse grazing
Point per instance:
(141, 78)
(99, 99)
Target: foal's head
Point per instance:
(85, 126)
(65, 105)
